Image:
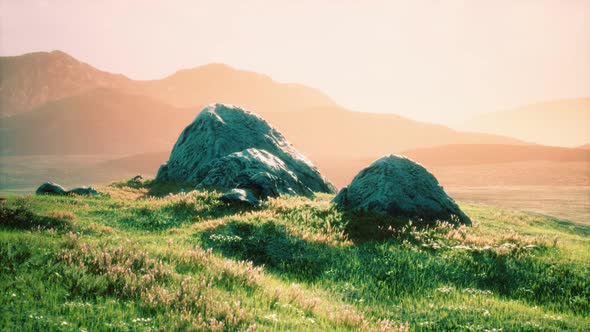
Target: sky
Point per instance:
(431, 60)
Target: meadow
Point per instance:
(140, 259)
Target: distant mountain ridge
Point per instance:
(219, 83)
(32, 79)
(476, 154)
(73, 108)
(99, 121)
(560, 122)
(338, 132)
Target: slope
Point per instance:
(340, 133)
(99, 121)
(30, 80)
(219, 83)
(560, 122)
(128, 261)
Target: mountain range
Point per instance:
(56, 106)
(30, 80)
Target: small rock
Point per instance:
(138, 178)
(84, 191)
(240, 196)
(50, 188)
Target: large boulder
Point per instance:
(227, 147)
(50, 188)
(397, 187)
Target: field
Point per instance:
(26, 173)
(570, 203)
(557, 189)
(136, 259)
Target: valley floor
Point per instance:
(137, 260)
(563, 202)
(563, 192)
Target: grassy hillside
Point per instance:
(136, 260)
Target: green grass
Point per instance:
(139, 260)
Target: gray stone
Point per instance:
(50, 188)
(138, 178)
(395, 186)
(221, 131)
(240, 197)
(257, 170)
(84, 191)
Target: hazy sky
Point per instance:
(430, 60)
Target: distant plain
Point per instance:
(506, 185)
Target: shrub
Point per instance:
(122, 272)
(21, 217)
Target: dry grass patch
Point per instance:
(59, 214)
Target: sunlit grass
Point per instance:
(139, 259)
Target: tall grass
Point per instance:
(135, 260)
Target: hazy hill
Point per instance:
(561, 122)
(474, 154)
(68, 111)
(143, 163)
(133, 116)
(30, 80)
(109, 122)
(338, 132)
(218, 83)
(99, 121)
